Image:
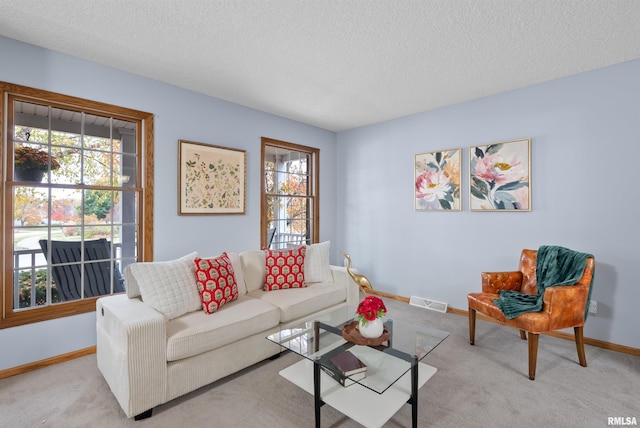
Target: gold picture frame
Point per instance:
(212, 179)
(500, 176)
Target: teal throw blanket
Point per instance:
(554, 266)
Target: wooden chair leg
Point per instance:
(523, 335)
(472, 325)
(580, 345)
(533, 354)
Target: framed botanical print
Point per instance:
(437, 181)
(499, 176)
(212, 179)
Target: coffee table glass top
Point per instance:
(385, 363)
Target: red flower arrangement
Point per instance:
(370, 308)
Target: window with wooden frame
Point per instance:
(77, 194)
(290, 195)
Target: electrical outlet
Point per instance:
(593, 307)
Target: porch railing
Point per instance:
(32, 267)
(16, 276)
(286, 240)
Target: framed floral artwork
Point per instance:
(212, 179)
(437, 181)
(499, 176)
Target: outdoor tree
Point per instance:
(62, 210)
(291, 186)
(84, 159)
(296, 207)
(98, 203)
(29, 206)
(77, 196)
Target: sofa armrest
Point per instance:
(494, 282)
(131, 352)
(341, 276)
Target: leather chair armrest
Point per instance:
(494, 282)
(566, 305)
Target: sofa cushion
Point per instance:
(253, 268)
(285, 269)
(237, 270)
(216, 282)
(168, 287)
(316, 263)
(131, 285)
(197, 332)
(294, 304)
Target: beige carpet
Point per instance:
(476, 386)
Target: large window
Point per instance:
(290, 194)
(74, 192)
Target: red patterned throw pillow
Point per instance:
(216, 282)
(285, 269)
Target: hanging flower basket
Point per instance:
(31, 164)
(29, 175)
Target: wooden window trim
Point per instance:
(314, 168)
(9, 317)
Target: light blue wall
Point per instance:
(585, 132)
(585, 146)
(180, 114)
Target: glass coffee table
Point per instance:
(393, 375)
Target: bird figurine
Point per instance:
(361, 280)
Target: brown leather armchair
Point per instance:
(563, 306)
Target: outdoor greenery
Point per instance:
(90, 167)
(24, 281)
(290, 193)
(100, 165)
(98, 203)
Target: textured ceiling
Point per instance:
(336, 64)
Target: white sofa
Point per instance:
(148, 359)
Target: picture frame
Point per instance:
(212, 179)
(500, 176)
(437, 180)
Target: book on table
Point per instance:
(340, 378)
(347, 363)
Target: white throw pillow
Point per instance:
(316, 263)
(237, 268)
(253, 269)
(168, 287)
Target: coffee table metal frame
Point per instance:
(295, 339)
